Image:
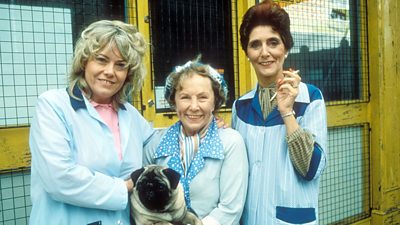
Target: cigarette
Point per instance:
(273, 96)
(296, 72)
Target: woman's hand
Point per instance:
(287, 90)
(220, 122)
(129, 185)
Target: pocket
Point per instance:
(286, 216)
(95, 223)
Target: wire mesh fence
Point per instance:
(345, 185)
(15, 202)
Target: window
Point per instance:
(182, 29)
(36, 46)
(330, 48)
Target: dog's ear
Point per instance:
(172, 176)
(136, 174)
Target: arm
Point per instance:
(55, 167)
(306, 153)
(307, 140)
(233, 181)
(151, 146)
(301, 147)
(314, 122)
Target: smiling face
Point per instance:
(194, 102)
(266, 52)
(105, 73)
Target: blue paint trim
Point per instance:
(295, 215)
(315, 160)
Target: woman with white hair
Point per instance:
(212, 161)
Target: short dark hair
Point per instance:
(266, 13)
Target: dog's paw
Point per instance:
(191, 219)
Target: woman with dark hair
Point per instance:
(212, 161)
(283, 123)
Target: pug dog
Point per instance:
(158, 198)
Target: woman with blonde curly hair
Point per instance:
(86, 139)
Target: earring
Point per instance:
(286, 56)
(248, 59)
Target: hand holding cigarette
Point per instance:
(281, 81)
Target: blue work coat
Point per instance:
(76, 176)
(277, 194)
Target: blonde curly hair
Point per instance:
(106, 33)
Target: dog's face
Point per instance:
(155, 185)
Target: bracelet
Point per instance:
(288, 114)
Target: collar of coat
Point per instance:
(80, 102)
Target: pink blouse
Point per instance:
(110, 116)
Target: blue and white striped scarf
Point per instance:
(189, 146)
